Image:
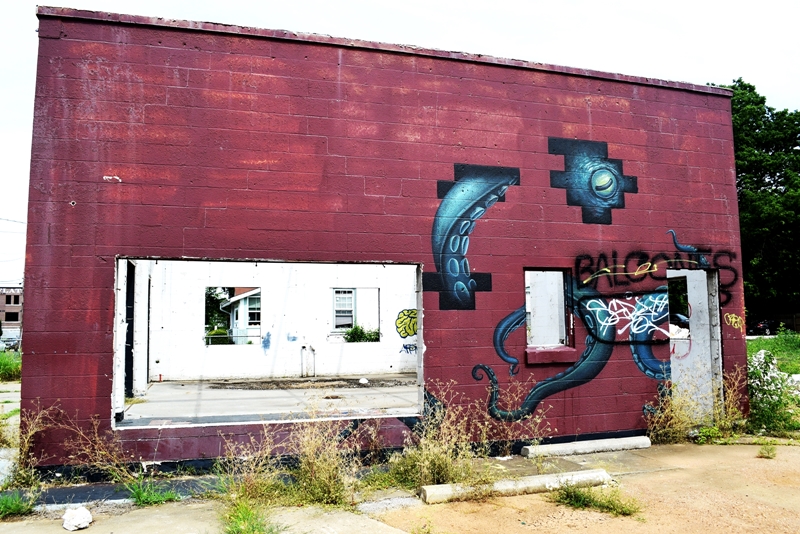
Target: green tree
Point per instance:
(216, 318)
(767, 147)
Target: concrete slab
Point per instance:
(312, 519)
(186, 517)
(618, 463)
(9, 396)
(194, 403)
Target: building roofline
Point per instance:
(211, 27)
(237, 298)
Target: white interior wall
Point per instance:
(544, 294)
(296, 312)
(120, 327)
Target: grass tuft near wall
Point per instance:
(785, 347)
(10, 366)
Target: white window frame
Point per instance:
(547, 319)
(251, 310)
(339, 307)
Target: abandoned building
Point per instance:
(10, 315)
(498, 223)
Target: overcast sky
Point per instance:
(698, 41)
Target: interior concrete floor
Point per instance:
(213, 402)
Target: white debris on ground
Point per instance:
(676, 332)
(363, 381)
(77, 518)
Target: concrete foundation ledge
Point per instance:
(533, 484)
(587, 447)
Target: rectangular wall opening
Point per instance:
(545, 310)
(224, 342)
(548, 320)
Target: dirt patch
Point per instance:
(313, 383)
(682, 488)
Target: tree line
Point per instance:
(767, 150)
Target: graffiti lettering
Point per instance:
(731, 319)
(647, 267)
(640, 316)
(409, 348)
(638, 265)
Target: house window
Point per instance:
(12, 317)
(12, 299)
(546, 313)
(343, 309)
(253, 311)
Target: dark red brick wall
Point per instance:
(256, 146)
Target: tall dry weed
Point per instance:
(679, 412)
(249, 468)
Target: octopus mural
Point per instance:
(596, 184)
(476, 189)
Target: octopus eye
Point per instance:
(604, 183)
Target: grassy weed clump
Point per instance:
(774, 404)
(767, 451)
(245, 516)
(671, 418)
(32, 424)
(320, 459)
(16, 503)
(145, 492)
(327, 456)
(90, 446)
(97, 448)
(439, 450)
(444, 447)
(248, 470)
(10, 366)
(8, 435)
(250, 479)
(611, 502)
(680, 413)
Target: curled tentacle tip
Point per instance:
(513, 369)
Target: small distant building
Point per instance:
(11, 313)
(244, 310)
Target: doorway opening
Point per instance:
(695, 337)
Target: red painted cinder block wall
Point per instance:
(241, 143)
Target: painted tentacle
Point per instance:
(651, 311)
(465, 203)
(689, 249)
(504, 329)
(599, 346)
